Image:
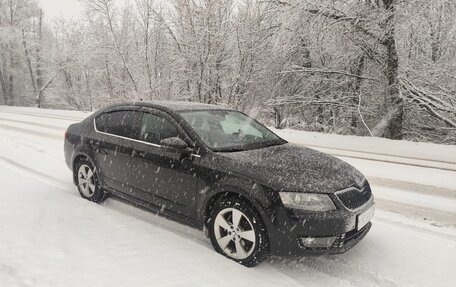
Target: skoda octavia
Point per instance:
(216, 169)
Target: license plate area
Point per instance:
(365, 217)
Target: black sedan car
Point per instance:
(216, 169)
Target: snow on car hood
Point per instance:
(295, 168)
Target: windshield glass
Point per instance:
(224, 130)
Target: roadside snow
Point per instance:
(52, 237)
(429, 177)
(418, 150)
(422, 200)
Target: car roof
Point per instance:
(175, 106)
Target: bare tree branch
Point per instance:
(319, 71)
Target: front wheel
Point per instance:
(237, 232)
(87, 182)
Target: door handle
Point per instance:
(98, 147)
(137, 153)
(102, 150)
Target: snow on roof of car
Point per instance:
(179, 105)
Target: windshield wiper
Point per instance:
(234, 149)
(272, 144)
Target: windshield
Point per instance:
(227, 131)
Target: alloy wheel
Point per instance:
(86, 180)
(234, 233)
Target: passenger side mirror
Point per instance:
(174, 142)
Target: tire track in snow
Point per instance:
(42, 115)
(411, 186)
(32, 132)
(446, 235)
(35, 174)
(430, 216)
(449, 166)
(33, 123)
(332, 266)
(376, 153)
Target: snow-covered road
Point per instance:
(49, 236)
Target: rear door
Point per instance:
(113, 148)
(163, 176)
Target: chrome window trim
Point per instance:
(121, 137)
(134, 140)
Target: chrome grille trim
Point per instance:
(354, 198)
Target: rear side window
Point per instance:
(121, 123)
(155, 128)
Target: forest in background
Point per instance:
(385, 68)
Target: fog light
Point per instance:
(317, 242)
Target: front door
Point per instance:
(163, 176)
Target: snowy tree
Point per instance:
(364, 67)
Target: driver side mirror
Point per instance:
(174, 142)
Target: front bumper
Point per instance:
(287, 229)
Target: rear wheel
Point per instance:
(237, 232)
(87, 181)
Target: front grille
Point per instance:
(354, 197)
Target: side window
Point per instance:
(100, 122)
(120, 123)
(155, 128)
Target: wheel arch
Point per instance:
(216, 197)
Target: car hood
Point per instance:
(292, 167)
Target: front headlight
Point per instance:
(307, 201)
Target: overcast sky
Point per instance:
(65, 8)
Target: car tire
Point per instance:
(246, 241)
(87, 181)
